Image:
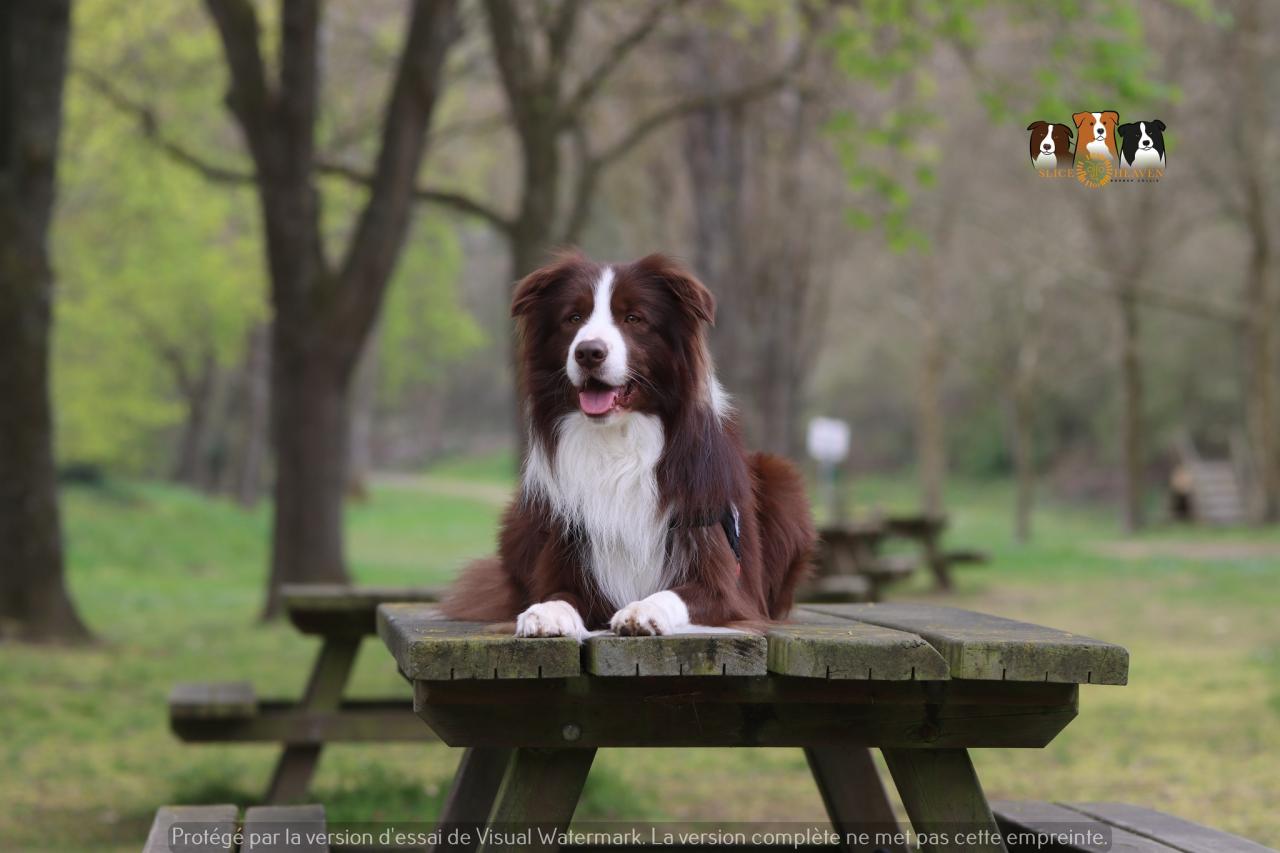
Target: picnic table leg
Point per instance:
(937, 560)
(853, 794)
(475, 787)
(941, 793)
(297, 763)
(539, 792)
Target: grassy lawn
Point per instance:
(171, 582)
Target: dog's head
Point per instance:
(607, 340)
(1097, 127)
(1142, 135)
(1049, 138)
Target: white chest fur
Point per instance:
(603, 481)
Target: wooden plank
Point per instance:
(1060, 828)
(328, 609)
(1176, 832)
(354, 721)
(284, 829)
(816, 645)
(976, 645)
(757, 711)
(212, 700)
(941, 794)
(854, 797)
(717, 653)
(196, 829)
(428, 647)
(540, 792)
(471, 796)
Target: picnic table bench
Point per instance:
(231, 712)
(921, 683)
(854, 551)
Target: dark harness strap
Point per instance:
(729, 522)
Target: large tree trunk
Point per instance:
(34, 604)
(1133, 442)
(310, 434)
(323, 312)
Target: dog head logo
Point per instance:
(1104, 150)
(1142, 144)
(1096, 139)
(1050, 145)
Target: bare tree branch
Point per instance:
(453, 199)
(383, 222)
(149, 124)
(646, 125)
(614, 56)
(249, 96)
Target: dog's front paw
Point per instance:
(660, 613)
(551, 619)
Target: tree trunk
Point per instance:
(1023, 461)
(1132, 428)
(251, 453)
(323, 312)
(931, 438)
(1255, 143)
(310, 435)
(364, 402)
(193, 466)
(34, 604)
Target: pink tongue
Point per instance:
(597, 402)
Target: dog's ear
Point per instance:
(691, 293)
(538, 283)
(1111, 116)
(1157, 124)
(1067, 130)
(1125, 129)
(1038, 125)
(1081, 118)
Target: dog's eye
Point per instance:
(633, 318)
(574, 319)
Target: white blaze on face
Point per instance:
(1046, 144)
(1099, 129)
(1144, 141)
(601, 326)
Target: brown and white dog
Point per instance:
(1096, 139)
(639, 509)
(1050, 145)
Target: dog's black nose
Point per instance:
(590, 353)
(1046, 146)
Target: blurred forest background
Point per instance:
(257, 260)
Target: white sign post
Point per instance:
(828, 444)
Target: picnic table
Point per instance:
(852, 566)
(342, 616)
(923, 684)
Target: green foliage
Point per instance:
(158, 272)
(889, 149)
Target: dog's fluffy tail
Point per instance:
(787, 537)
(484, 592)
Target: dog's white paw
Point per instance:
(551, 619)
(660, 613)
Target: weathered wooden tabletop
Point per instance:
(907, 674)
(921, 683)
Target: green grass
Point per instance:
(171, 582)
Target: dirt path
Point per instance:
(494, 494)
